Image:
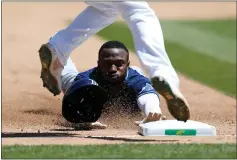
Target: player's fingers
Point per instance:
(151, 117)
(148, 118)
(156, 117)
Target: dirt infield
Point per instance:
(31, 115)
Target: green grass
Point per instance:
(205, 41)
(225, 28)
(212, 72)
(122, 151)
(193, 57)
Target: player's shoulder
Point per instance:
(86, 74)
(133, 76)
(132, 73)
(138, 82)
(88, 71)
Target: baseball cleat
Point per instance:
(51, 70)
(177, 105)
(89, 126)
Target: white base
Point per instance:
(176, 128)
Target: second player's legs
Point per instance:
(148, 38)
(85, 25)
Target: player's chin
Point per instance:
(114, 79)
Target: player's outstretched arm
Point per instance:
(149, 105)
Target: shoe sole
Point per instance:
(177, 106)
(48, 79)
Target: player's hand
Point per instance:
(151, 118)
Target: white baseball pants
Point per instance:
(147, 103)
(143, 23)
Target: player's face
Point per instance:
(113, 63)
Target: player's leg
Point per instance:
(55, 53)
(85, 25)
(148, 38)
(149, 43)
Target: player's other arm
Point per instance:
(147, 98)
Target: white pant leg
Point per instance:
(148, 39)
(68, 75)
(85, 25)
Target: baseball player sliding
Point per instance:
(112, 82)
(149, 43)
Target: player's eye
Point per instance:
(106, 63)
(119, 63)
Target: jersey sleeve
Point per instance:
(83, 78)
(139, 83)
(87, 75)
